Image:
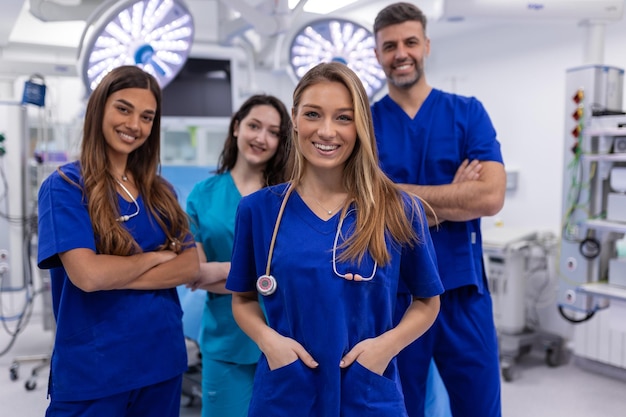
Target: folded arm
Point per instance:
(465, 199)
(211, 275)
(90, 271)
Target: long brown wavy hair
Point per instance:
(380, 208)
(99, 186)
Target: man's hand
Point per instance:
(467, 171)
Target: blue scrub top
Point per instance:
(212, 205)
(327, 314)
(107, 342)
(427, 150)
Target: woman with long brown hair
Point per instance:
(117, 243)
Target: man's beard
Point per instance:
(407, 81)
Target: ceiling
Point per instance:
(44, 36)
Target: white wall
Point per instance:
(518, 70)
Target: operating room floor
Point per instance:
(538, 391)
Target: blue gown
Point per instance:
(327, 314)
(107, 342)
(427, 150)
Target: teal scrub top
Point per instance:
(212, 205)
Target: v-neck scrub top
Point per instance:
(212, 205)
(427, 150)
(327, 314)
(107, 342)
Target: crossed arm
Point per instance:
(90, 271)
(477, 190)
(212, 275)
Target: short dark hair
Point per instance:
(398, 13)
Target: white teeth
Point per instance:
(325, 147)
(128, 137)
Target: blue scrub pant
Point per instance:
(464, 346)
(226, 388)
(162, 399)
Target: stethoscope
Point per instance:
(266, 283)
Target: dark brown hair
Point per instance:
(274, 172)
(144, 164)
(399, 13)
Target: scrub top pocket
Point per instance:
(287, 391)
(362, 389)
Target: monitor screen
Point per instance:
(202, 88)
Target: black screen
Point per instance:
(202, 88)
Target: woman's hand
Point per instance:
(211, 277)
(369, 353)
(281, 351)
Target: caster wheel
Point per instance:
(525, 350)
(509, 372)
(13, 372)
(30, 385)
(553, 357)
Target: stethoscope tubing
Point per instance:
(266, 284)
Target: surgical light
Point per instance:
(321, 6)
(155, 35)
(339, 40)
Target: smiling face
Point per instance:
(324, 122)
(401, 50)
(258, 135)
(128, 118)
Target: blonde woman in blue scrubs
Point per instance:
(327, 253)
(254, 155)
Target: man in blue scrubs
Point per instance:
(443, 147)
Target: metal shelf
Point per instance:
(605, 290)
(605, 157)
(604, 131)
(605, 225)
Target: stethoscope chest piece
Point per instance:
(266, 284)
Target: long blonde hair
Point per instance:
(380, 208)
(99, 186)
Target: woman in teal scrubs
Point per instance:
(254, 155)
